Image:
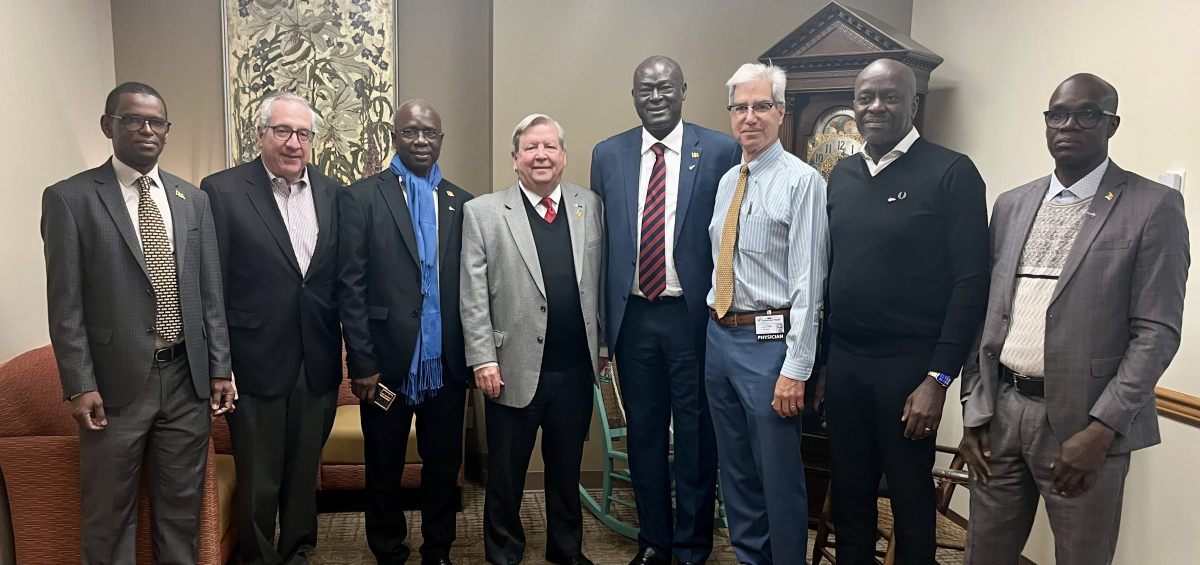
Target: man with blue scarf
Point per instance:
(401, 233)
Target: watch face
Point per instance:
(835, 136)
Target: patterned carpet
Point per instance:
(342, 540)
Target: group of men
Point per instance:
(703, 262)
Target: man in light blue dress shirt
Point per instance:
(767, 292)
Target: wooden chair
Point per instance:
(950, 535)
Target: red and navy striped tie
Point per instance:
(652, 259)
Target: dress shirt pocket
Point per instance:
(498, 337)
(1106, 367)
(1107, 244)
(760, 234)
(98, 334)
(377, 312)
(244, 320)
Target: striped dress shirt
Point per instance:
(780, 261)
(299, 213)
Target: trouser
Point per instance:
(562, 408)
(762, 475)
(440, 444)
(864, 401)
(1023, 446)
(168, 425)
(277, 442)
(660, 380)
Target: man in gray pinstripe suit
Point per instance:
(133, 285)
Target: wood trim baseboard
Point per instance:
(1177, 405)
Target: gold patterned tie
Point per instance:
(160, 263)
(724, 296)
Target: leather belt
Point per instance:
(168, 354)
(1025, 384)
(734, 320)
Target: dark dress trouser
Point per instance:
(864, 401)
(277, 444)
(169, 426)
(440, 444)
(660, 376)
(562, 408)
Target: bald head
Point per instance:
(417, 136)
(658, 94)
(892, 70)
(1091, 87)
(885, 104)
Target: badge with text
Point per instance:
(769, 327)
(384, 396)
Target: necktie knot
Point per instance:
(279, 185)
(144, 183)
(658, 149)
(550, 213)
(745, 171)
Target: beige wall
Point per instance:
(53, 88)
(574, 61)
(1003, 60)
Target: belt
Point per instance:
(168, 354)
(1025, 384)
(734, 320)
(660, 300)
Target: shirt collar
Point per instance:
(900, 148)
(766, 158)
(127, 176)
(1084, 188)
(673, 140)
(534, 199)
(303, 177)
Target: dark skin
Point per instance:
(419, 155)
(1077, 152)
(658, 94)
(140, 150)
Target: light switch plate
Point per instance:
(1173, 179)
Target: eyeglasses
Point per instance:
(1086, 118)
(284, 133)
(136, 123)
(760, 109)
(410, 134)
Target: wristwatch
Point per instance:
(942, 378)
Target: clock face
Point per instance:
(834, 137)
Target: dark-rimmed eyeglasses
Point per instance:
(760, 109)
(410, 134)
(1086, 118)
(136, 123)
(284, 133)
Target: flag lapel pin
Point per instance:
(695, 154)
(450, 193)
(179, 194)
(1108, 197)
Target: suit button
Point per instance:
(991, 355)
(634, 262)
(414, 313)
(540, 339)
(302, 285)
(1051, 315)
(1003, 318)
(543, 308)
(624, 299)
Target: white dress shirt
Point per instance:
(900, 149)
(299, 216)
(671, 157)
(555, 198)
(131, 192)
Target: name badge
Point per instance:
(769, 328)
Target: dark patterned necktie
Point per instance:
(160, 263)
(652, 258)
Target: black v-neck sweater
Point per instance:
(910, 256)
(566, 345)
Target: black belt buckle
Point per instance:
(1029, 386)
(168, 354)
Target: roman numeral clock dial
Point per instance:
(834, 137)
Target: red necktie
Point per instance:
(549, 204)
(652, 258)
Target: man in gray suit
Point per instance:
(532, 262)
(133, 286)
(1088, 273)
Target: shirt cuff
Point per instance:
(485, 365)
(795, 369)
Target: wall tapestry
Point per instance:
(337, 54)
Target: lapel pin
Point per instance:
(180, 194)
(695, 154)
(1108, 197)
(691, 167)
(450, 193)
(451, 208)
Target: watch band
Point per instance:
(942, 378)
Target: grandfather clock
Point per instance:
(822, 57)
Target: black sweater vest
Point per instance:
(566, 344)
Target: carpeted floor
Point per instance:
(342, 540)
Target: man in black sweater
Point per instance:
(908, 283)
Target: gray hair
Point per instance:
(264, 111)
(537, 120)
(758, 72)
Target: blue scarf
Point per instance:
(425, 373)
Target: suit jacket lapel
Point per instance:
(446, 212)
(263, 199)
(522, 233)
(573, 208)
(1017, 232)
(689, 157)
(322, 195)
(110, 194)
(1113, 182)
(390, 187)
(180, 217)
(631, 166)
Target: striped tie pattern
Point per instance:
(652, 258)
(160, 264)
(724, 294)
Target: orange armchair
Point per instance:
(39, 457)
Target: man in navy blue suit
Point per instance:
(658, 183)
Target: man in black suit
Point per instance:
(276, 221)
(388, 315)
(134, 298)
